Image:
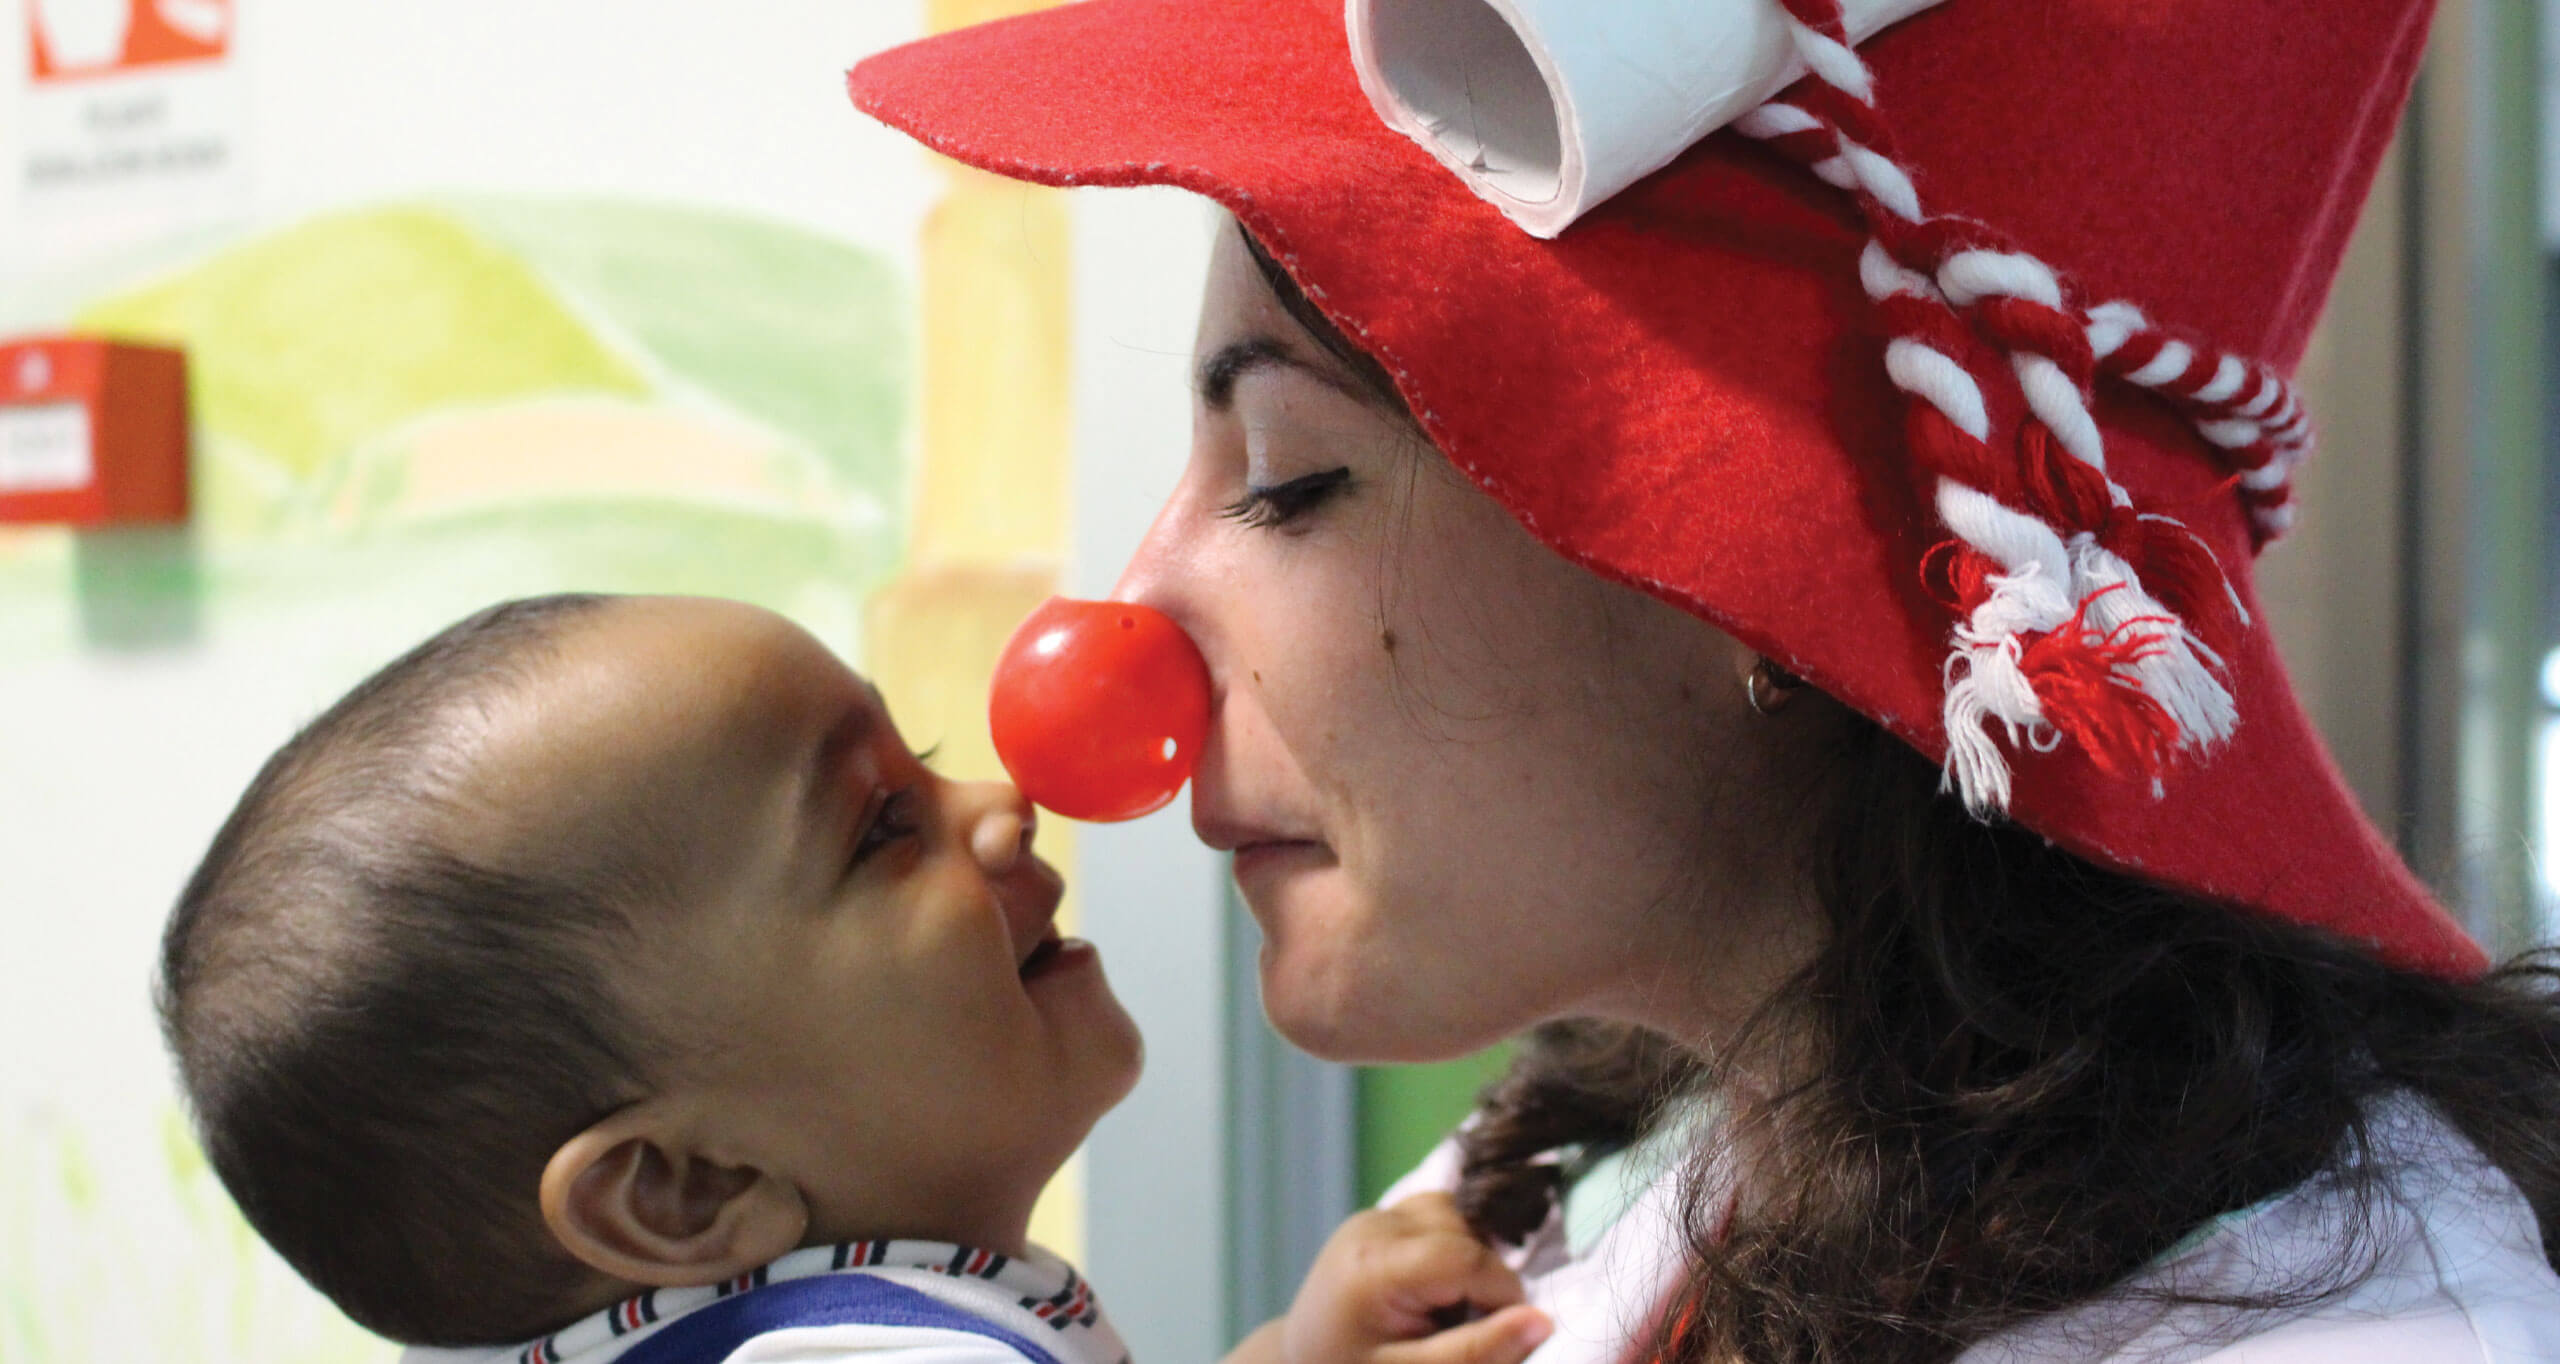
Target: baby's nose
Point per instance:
(1002, 835)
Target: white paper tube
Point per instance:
(1548, 107)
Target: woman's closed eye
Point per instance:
(1282, 503)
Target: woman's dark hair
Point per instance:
(384, 1040)
(2018, 1078)
(1293, 300)
(2027, 1077)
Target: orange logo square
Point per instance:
(73, 39)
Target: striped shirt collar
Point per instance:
(1035, 1288)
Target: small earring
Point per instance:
(1770, 688)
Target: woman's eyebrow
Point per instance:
(1215, 380)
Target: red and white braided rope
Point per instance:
(2058, 637)
(2250, 413)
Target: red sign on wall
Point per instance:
(73, 39)
(92, 433)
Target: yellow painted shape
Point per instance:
(931, 641)
(569, 448)
(941, 16)
(996, 417)
(309, 341)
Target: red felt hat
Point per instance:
(1689, 390)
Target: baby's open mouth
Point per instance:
(1042, 953)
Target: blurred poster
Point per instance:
(133, 112)
(581, 295)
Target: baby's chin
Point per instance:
(1116, 1055)
(1093, 1030)
(1096, 1058)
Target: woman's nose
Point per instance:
(1140, 580)
(1153, 568)
(1001, 824)
(1163, 574)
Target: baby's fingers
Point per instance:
(1419, 1275)
(1506, 1337)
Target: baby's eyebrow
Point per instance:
(849, 729)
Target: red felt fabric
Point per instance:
(1685, 391)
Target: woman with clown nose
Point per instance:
(1727, 548)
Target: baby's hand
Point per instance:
(1383, 1285)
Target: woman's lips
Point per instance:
(1270, 856)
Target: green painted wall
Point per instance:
(1406, 1110)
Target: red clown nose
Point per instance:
(1099, 708)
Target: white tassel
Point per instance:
(2174, 675)
(1975, 770)
(1984, 682)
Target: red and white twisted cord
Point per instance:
(2249, 413)
(2059, 638)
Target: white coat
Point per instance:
(2456, 1269)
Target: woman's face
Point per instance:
(1469, 786)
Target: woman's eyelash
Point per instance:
(1284, 502)
(896, 820)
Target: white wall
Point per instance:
(116, 764)
(1157, 1180)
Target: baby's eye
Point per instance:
(895, 820)
(1284, 502)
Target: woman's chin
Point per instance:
(1315, 1032)
(1362, 1023)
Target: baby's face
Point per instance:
(851, 959)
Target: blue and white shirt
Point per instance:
(911, 1302)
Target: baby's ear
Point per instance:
(634, 1198)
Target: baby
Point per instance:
(606, 980)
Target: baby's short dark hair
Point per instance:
(384, 1041)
